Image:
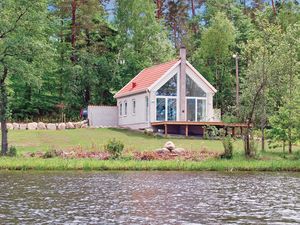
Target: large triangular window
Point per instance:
(169, 88)
(192, 89)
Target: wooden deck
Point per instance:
(187, 125)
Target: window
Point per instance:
(160, 109)
(120, 108)
(125, 108)
(166, 109)
(192, 89)
(147, 108)
(195, 101)
(133, 106)
(166, 100)
(169, 88)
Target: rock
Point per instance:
(61, 126)
(41, 126)
(70, 125)
(32, 126)
(169, 145)
(162, 151)
(9, 126)
(179, 150)
(23, 126)
(84, 125)
(51, 126)
(16, 126)
(77, 125)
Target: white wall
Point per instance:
(103, 116)
(133, 120)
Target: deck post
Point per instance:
(233, 131)
(166, 130)
(241, 131)
(204, 129)
(186, 130)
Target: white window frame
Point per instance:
(166, 99)
(196, 107)
(133, 106)
(120, 109)
(147, 108)
(125, 108)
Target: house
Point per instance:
(172, 91)
(172, 97)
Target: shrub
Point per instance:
(211, 132)
(228, 147)
(114, 147)
(50, 154)
(12, 151)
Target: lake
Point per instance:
(149, 198)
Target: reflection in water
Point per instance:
(149, 198)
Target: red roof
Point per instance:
(145, 79)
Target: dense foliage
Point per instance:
(58, 56)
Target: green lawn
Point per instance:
(95, 139)
(43, 140)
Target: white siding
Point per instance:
(133, 120)
(103, 116)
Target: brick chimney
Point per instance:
(182, 84)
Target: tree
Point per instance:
(214, 56)
(285, 122)
(142, 39)
(23, 46)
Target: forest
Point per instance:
(59, 56)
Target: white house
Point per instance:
(172, 91)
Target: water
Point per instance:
(149, 198)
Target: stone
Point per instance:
(162, 151)
(77, 125)
(32, 126)
(16, 126)
(61, 126)
(51, 126)
(70, 125)
(169, 145)
(179, 150)
(84, 125)
(23, 126)
(41, 126)
(9, 126)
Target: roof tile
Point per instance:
(145, 78)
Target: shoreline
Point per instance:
(60, 164)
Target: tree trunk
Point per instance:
(3, 107)
(273, 7)
(262, 138)
(159, 9)
(290, 140)
(73, 37)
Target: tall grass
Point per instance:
(19, 163)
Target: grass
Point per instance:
(43, 140)
(92, 164)
(95, 139)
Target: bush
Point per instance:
(12, 151)
(211, 132)
(50, 154)
(228, 147)
(114, 147)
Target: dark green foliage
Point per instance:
(12, 151)
(228, 147)
(50, 154)
(115, 148)
(211, 132)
